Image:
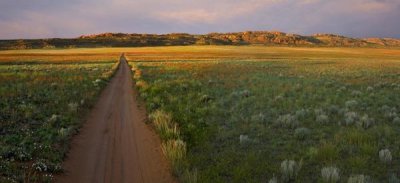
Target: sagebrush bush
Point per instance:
(73, 106)
(290, 169)
(243, 139)
(333, 109)
(350, 118)
(365, 122)
(330, 174)
(351, 104)
(359, 179)
(322, 119)
(370, 88)
(302, 133)
(273, 180)
(396, 120)
(394, 179)
(301, 113)
(288, 121)
(319, 111)
(385, 156)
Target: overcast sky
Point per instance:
(72, 18)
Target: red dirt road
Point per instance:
(115, 145)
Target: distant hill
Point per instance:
(234, 38)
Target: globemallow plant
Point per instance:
(385, 156)
(330, 174)
(290, 169)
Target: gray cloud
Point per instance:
(71, 18)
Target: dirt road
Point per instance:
(115, 145)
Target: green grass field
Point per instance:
(43, 102)
(259, 114)
(224, 113)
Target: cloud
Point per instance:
(70, 18)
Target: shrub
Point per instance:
(351, 104)
(302, 133)
(319, 112)
(396, 120)
(330, 174)
(385, 156)
(273, 180)
(290, 169)
(73, 106)
(244, 139)
(359, 179)
(322, 118)
(333, 109)
(356, 93)
(393, 179)
(365, 122)
(350, 118)
(301, 113)
(288, 121)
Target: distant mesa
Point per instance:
(269, 38)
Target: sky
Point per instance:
(21, 19)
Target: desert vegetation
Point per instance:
(262, 114)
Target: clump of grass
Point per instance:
(290, 169)
(141, 84)
(359, 179)
(190, 176)
(164, 125)
(330, 174)
(385, 156)
(175, 151)
(328, 152)
(288, 121)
